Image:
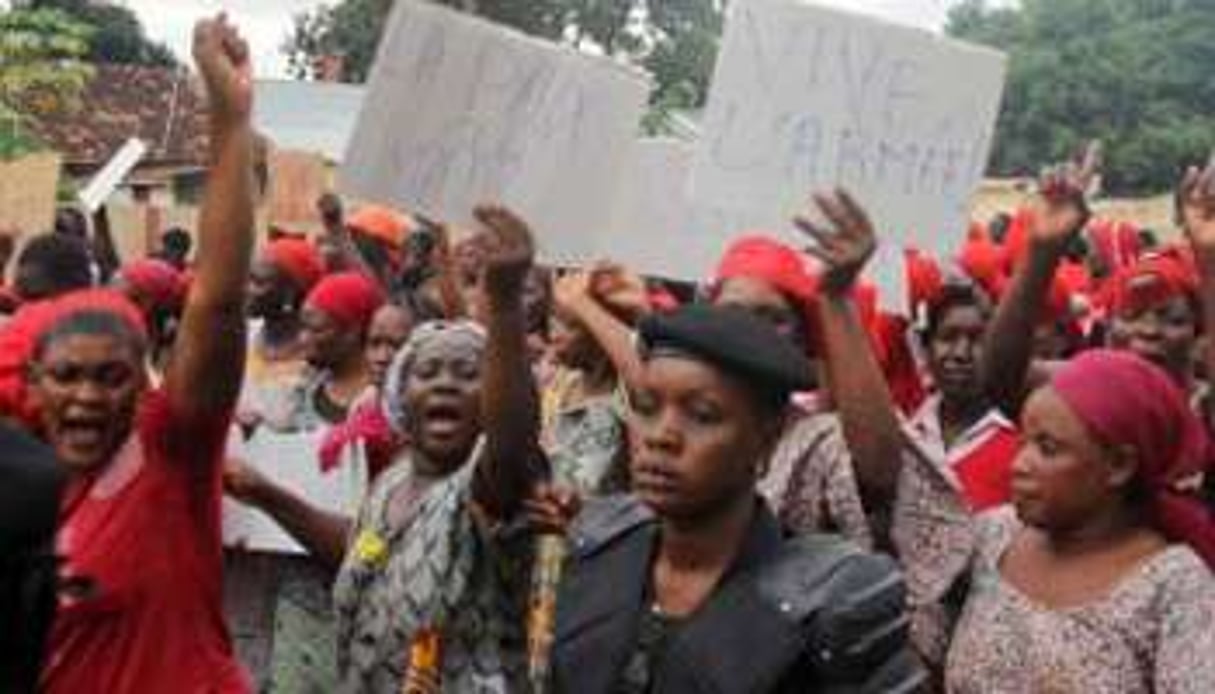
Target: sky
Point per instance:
(266, 23)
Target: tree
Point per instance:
(117, 36)
(41, 70)
(675, 40)
(1136, 73)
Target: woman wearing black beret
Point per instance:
(689, 585)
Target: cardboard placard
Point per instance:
(807, 98)
(290, 460)
(28, 188)
(460, 111)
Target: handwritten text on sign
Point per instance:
(461, 111)
(807, 98)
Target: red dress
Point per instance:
(142, 547)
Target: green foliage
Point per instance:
(41, 71)
(1135, 73)
(675, 40)
(117, 36)
(350, 29)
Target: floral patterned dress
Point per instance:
(438, 568)
(586, 442)
(1154, 632)
(810, 483)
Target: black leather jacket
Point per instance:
(809, 614)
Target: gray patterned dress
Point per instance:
(437, 566)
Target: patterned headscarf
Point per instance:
(440, 334)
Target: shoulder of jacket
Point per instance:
(817, 576)
(605, 520)
(850, 606)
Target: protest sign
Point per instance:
(806, 98)
(106, 181)
(290, 460)
(650, 233)
(28, 188)
(460, 111)
(297, 180)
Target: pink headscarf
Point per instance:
(1126, 401)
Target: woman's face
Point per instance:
(87, 388)
(954, 351)
(767, 302)
(327, 345)
(332, 252)
(698, 438)
(390, 329)
(270, 293)
(442, 398)
(1063, 477)
(1163, 334)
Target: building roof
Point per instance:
(163, 107)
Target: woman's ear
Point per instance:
(1123, 462)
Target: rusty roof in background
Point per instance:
(165, 108)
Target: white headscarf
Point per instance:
(457, 334)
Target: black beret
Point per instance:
(733, 340)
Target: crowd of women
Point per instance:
(580, 480)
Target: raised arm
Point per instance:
(854, 378)
(204, 377)
(512, 460)
(1197, 205)
(105, 251)
(573, 294)
(1060, 212)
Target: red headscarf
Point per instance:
(349, 298)
(985, 262)
(1126, 401)
(1016, 241)
(156, 281)
(762, 258)
(1151, 281)
(924, 280)
(1117, 243)
(20, 336)
(369, 425)
(297, 259)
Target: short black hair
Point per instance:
(92, 322)
(70, 221)
(60, 261)
(953, 295)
